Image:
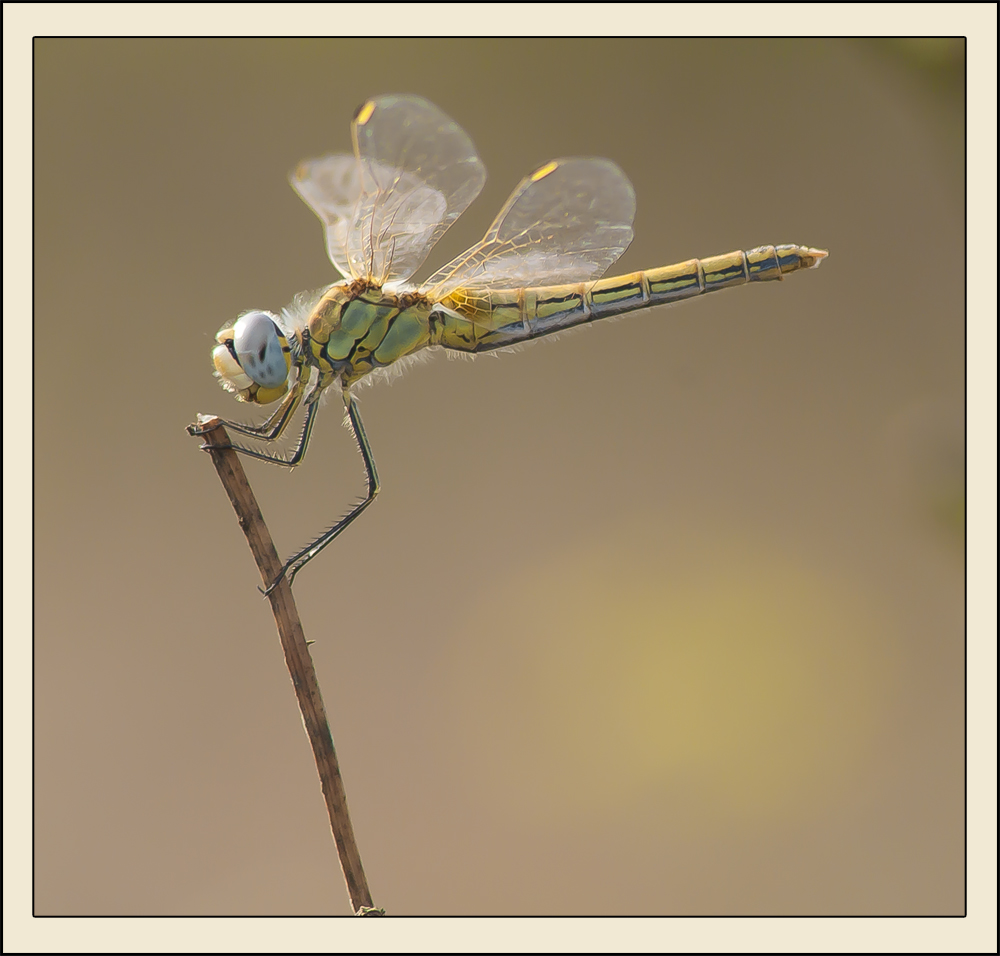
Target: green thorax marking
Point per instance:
(358, 327)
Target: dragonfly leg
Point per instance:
(298, 561)
(274, 427)
(300, 448)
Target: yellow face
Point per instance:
(253, 358)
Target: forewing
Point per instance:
(413, 173)
(566, 222)
(331, 187)
(419, 172)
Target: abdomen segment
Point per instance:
(492, 319)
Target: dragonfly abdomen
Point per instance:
(510, 317)
(698, 276)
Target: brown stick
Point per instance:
(297, 656)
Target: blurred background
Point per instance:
(664, 617)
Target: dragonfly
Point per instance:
(537, 271)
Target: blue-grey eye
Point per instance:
(258, 342)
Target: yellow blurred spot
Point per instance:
(741, 685)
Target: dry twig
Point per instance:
(297, 656)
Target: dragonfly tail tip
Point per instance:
(816, 256)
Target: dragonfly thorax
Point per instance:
(359, 327)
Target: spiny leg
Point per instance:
(298, 561)
(272, 429)
(300, 447)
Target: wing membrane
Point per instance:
(414, 172)
(566, 222)
(331, 188)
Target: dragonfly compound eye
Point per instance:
(261, 349)
(253, 358)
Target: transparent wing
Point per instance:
(566, 222)
(415, 171)
(331, 187)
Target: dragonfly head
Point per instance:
(253, 358)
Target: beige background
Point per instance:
(664, 617)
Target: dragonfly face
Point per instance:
(253, 358)
(538, 269)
